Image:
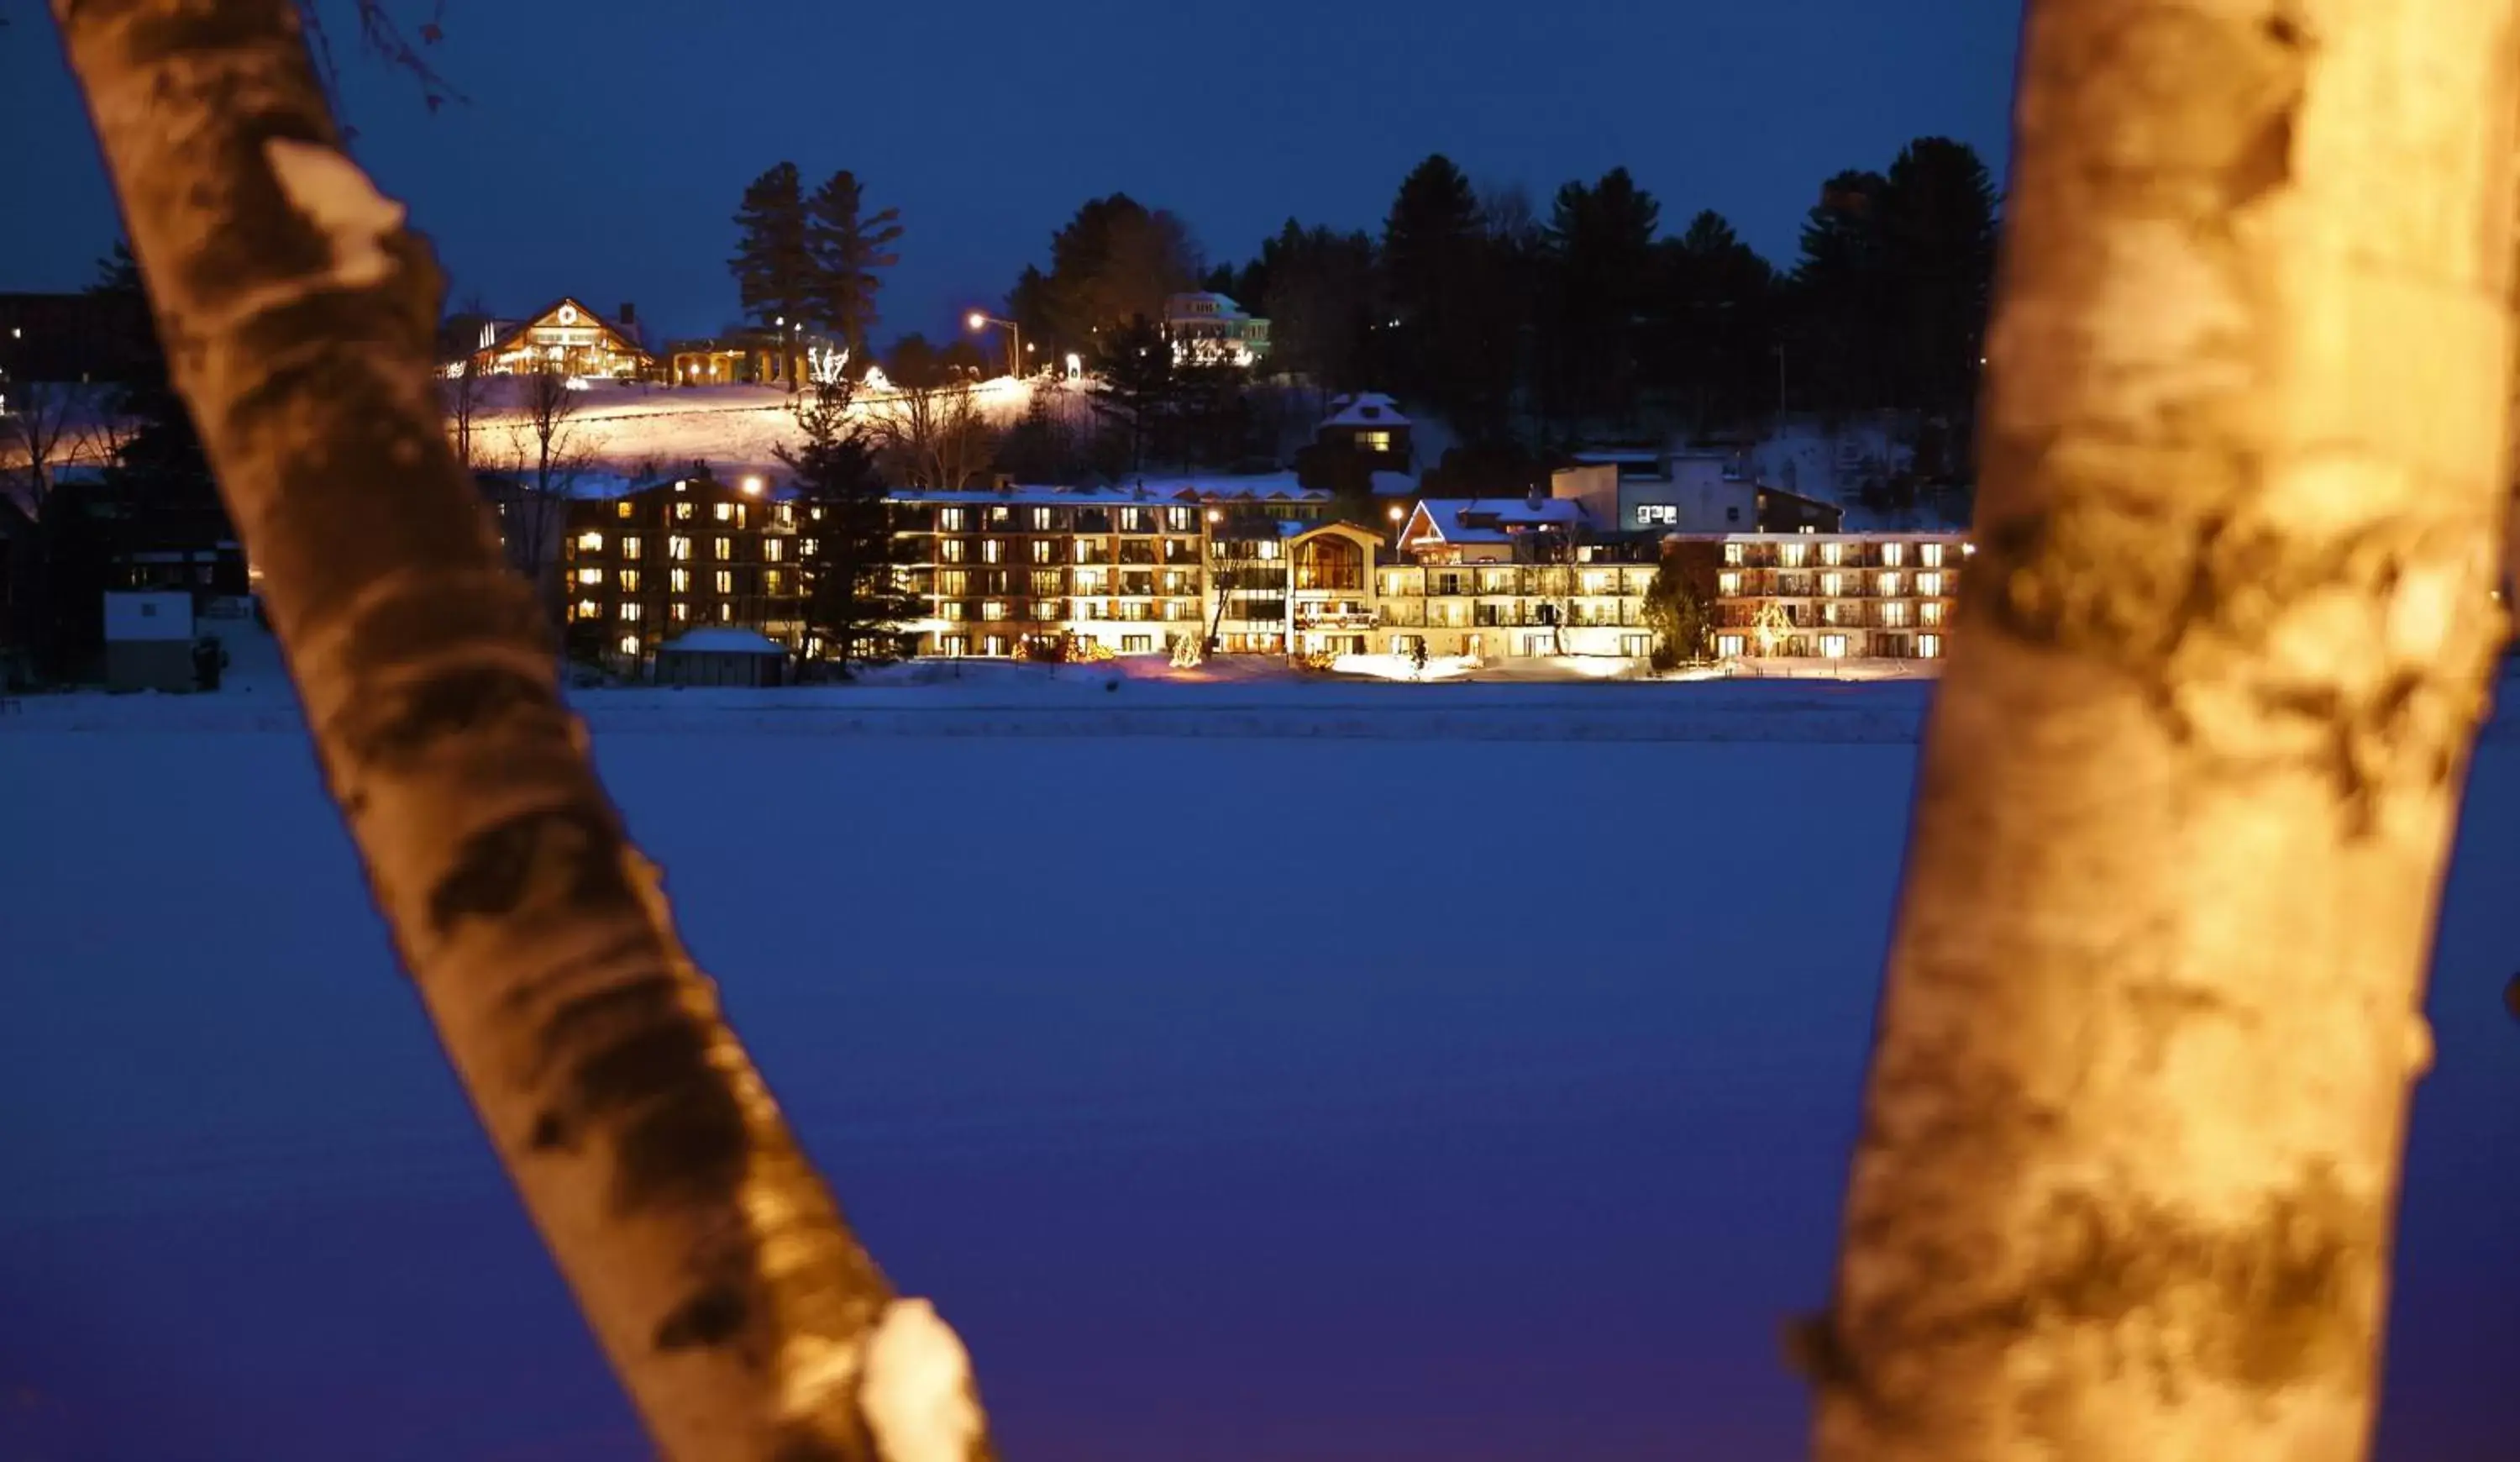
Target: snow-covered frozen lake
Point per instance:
(1389, 1093)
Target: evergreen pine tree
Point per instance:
(1140, 389)
(855, 602)
(848, 246)
(775, 274)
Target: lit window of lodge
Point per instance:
(772, 550)
(681, 579)
(629, 545)
(678, 547)
(624, 507)
(1894, 554)
(590, 575)
(629, 581)
(724, 548)
(1929, 584)
(724, 582)
(726, 512)
(591, 542)
(1931, 555)
(1729, 583)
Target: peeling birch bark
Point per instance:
(710, 1260)
(2134, 1121)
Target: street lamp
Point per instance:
(977, 322)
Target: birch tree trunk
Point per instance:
(2130, 1152)
(298, 317)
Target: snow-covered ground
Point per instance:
(1251, 1070)
(627, 429)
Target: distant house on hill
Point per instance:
(564, 337)
(1361, 449)
(1212, 325)
(748, 355)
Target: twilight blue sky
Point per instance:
(606, 141)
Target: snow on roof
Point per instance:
(1261, 487)
(1636, 455)
(1492, 519)
(1394, 484)
(1365, 409)
(1206, 303)
(722, 641)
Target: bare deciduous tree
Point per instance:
(711, 1262)
(2131, 1152)
(934, 431)
(43, 425)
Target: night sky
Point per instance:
(603, 143)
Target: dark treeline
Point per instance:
(1528, 328)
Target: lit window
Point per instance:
(787, 516)
(771, 580)
(725, 511)
(1657, 515)
(1894, 554)
(1929, 614)
(1889, 583)
(588, 609)
(1733, 553)
(682, 611)
(682, 511)
(1833, 584)
(1834, 646)
(1043, 550)
(1731, 644)
(724, 582)
(725, 611)
(1268, 549)
(993, 609)
(629, 545)
(1931, 555)
(725, 548)
(629, 581)
(1181, 518)
(809, 547)
(949, 520)
(1373, 441)
(629, 614)
(629, 644)
(1791, 555)
(590, 575)
(678, 547)
(681, 579)
(1041, 519)
(623, 508)
(953, 583)
(591, 542)
(951, 609)
(772, 550)
(1929, 646)
(817, 514)
(993, 550)
(1929, 584)
(951, 551)
(1894, 615)
(1832, 554)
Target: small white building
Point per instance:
(721, 654)
(149, 637)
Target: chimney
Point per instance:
(629, 313)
